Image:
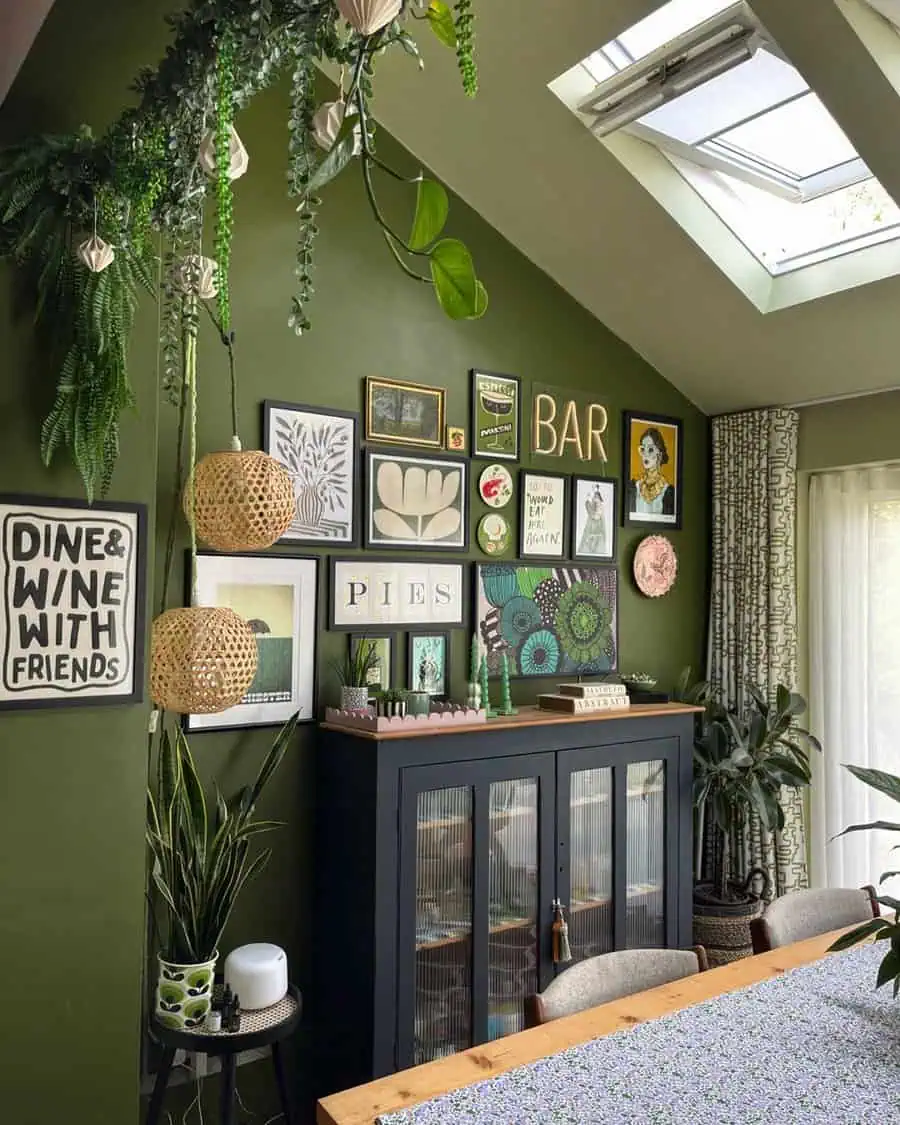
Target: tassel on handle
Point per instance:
(562, 951)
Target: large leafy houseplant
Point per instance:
(741, 762)
(883, 928)
(201, 859)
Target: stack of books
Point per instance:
(576, 699)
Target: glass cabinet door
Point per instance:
(645, 910)
(590, 862)
(479, 859)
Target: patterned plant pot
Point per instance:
(310, 507)
(723, 929)
(184, 992)
(354, 698)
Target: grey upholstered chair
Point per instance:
(610, 977)
(804, 914)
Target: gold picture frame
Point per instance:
(399, 413)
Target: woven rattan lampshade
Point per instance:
(202, 660)
(244, 500)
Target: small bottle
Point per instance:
(235, 1022)
(227, 998)
(214, 1021)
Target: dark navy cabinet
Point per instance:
(439, 857)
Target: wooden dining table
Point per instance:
(363, 1105)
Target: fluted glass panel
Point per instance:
(590, 862)
(513, 903)
(443, 1003)
(645, 921)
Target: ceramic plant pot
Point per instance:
(184, 993)
(418, 703)
(354, 698)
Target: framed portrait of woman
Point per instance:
(652, 461)
(595, 514)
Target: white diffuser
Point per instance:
(257, 974)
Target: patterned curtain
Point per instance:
(753, 621)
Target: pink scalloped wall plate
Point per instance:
(655, 566)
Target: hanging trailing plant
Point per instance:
(141, 189)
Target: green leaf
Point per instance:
(758, 698)
(432, 206)
(441, 19)
(887, 875)
(886, 783)
(858, 935)
(881, 825)
(889, 969)
(887, 900)
(453, 274)
(337, 158)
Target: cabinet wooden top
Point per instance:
(526, 717)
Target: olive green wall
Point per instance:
(71, 808)
(850, 431)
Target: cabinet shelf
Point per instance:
(464, 935)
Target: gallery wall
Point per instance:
(71, 808)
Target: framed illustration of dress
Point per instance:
(594, 518)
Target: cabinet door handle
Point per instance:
(562, 951)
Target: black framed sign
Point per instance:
(372, 593)
(652, 461)
(73, 578)
(543, 515)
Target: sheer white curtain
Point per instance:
(854, 662)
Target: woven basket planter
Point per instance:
(202, 660)
(723, 929)
(244, 500)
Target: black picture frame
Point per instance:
(524, 474)
(135, 694)
(663, 522)
(414, 457)
(289, 539)
(370, 560)
(288, 557)
(410, 642)
(372, 382)
(393, 639)
(612, 515)
(488, 454)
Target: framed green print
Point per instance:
(427, 662)
(496, 415)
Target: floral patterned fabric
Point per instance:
(816, 1046)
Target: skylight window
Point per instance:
(704, 82)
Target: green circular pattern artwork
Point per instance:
(583, 622)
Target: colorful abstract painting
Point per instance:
(550, 621)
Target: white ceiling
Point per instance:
(524, 162)
(20, 21)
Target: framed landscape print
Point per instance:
(381, 593)
(277, 596)
(427, 662)
(543, 524)
(73, 581)
(595, 514)
(383, 674)
(404, 413)
(416, 502)
(549, 621)
(652, 459)
(318, 447)
(496, 415)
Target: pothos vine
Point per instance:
(140, 190)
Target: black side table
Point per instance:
(264, 1028)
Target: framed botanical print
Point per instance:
(416, 502)
(428, 662)
(277, 595)
(318, 447)
(595, 514)
(652, 459)
(382, 675)
(404, 413)
(543, 523)
(496, 415)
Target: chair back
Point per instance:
(804, 914)
(598, 980)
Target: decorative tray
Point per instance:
(441, 715)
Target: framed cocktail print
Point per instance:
(318, 447)
(427, 662)
(404, 413)
(594, 518)
(416, 502)
(652, 460)
(496, 415)
(543, 524)
(277, 596)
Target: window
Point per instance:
(704, 82)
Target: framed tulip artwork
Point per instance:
(417, 503)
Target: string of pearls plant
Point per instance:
(91, 221)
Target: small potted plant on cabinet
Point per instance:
(200, 864)
(354, 673)
(740, 764)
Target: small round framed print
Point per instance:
(494, 534)
(495, 486)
